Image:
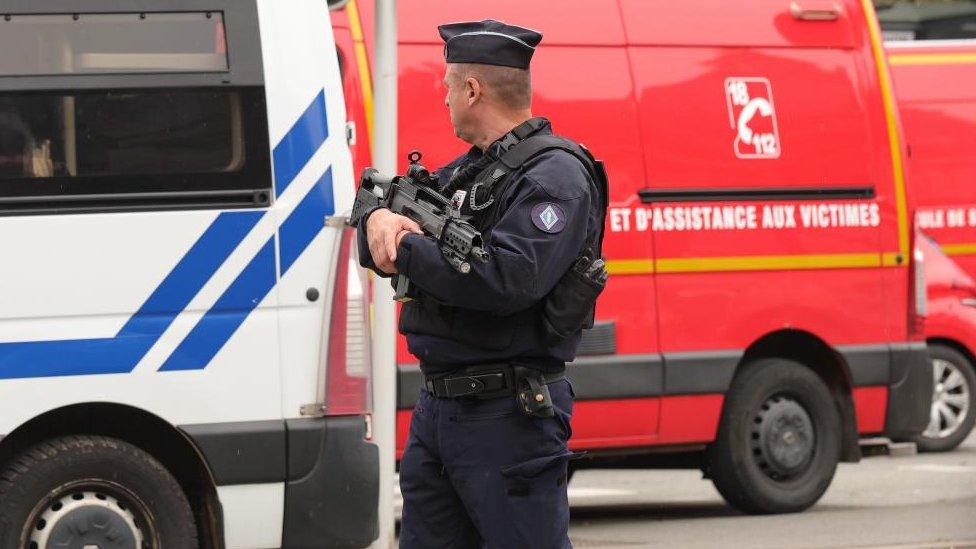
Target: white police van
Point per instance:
(183, 325)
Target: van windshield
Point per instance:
(927, 19)
(102, 43)
(120, 133)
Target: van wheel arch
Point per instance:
(953, 344)
(812, 352)
(142, 429)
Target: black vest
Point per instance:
(484, 187)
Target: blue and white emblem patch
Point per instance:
(548, 217)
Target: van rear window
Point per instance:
(903, 20)
(99, 43)
(120, 133)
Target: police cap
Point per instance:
(489, 42)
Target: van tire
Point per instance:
(56, 483)
(952, 361)
(778, 442)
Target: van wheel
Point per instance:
(778, 442)
(92, 491)
(953, 401)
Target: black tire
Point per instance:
(778, 441)
(92, 479)
(942, 438)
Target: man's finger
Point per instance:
(411, 225)
(391, 243)
(378, 250)
(400, 236)
(387, 267)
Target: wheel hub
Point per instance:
(782, 438)
(950, 399)
(87, 520)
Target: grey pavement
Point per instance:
(924, 500)
(909, 502)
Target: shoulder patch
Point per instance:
(549, 217)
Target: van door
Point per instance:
(761, 174)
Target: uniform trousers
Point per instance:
(480, 473)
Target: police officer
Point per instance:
(478, 470)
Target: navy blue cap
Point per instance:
(489, 42)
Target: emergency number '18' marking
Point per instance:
(752, 116)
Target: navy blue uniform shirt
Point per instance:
(548, 212)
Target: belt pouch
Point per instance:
(569, 306)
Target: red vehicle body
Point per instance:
(935, 84)
(933, 65)
(760, 222)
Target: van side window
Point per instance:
(927, 20)
(120, 134)
(133, 141)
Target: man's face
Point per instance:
(456, 100)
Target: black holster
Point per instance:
(532, 393)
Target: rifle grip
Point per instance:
(401, 285)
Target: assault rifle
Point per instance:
(413, 195)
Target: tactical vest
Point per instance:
(483, 208)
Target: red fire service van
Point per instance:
(932, 52)
(763, 309)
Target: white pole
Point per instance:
(384, 336)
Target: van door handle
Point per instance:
(811, 10)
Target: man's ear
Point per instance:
(472, 90)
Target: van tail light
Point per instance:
(919, 289)
(220, 38)
(348, 368)
(921, 300)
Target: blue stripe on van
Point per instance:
(298, 146)
(215, 329)
(227, 314)
(306, 221)
(192, 272)
(123, 352)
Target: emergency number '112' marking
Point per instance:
(752, 116)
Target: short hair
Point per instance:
(510, 86)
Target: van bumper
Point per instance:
(909, 391)
(332, 490)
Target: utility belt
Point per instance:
(496, 380)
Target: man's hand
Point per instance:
(384, 230)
